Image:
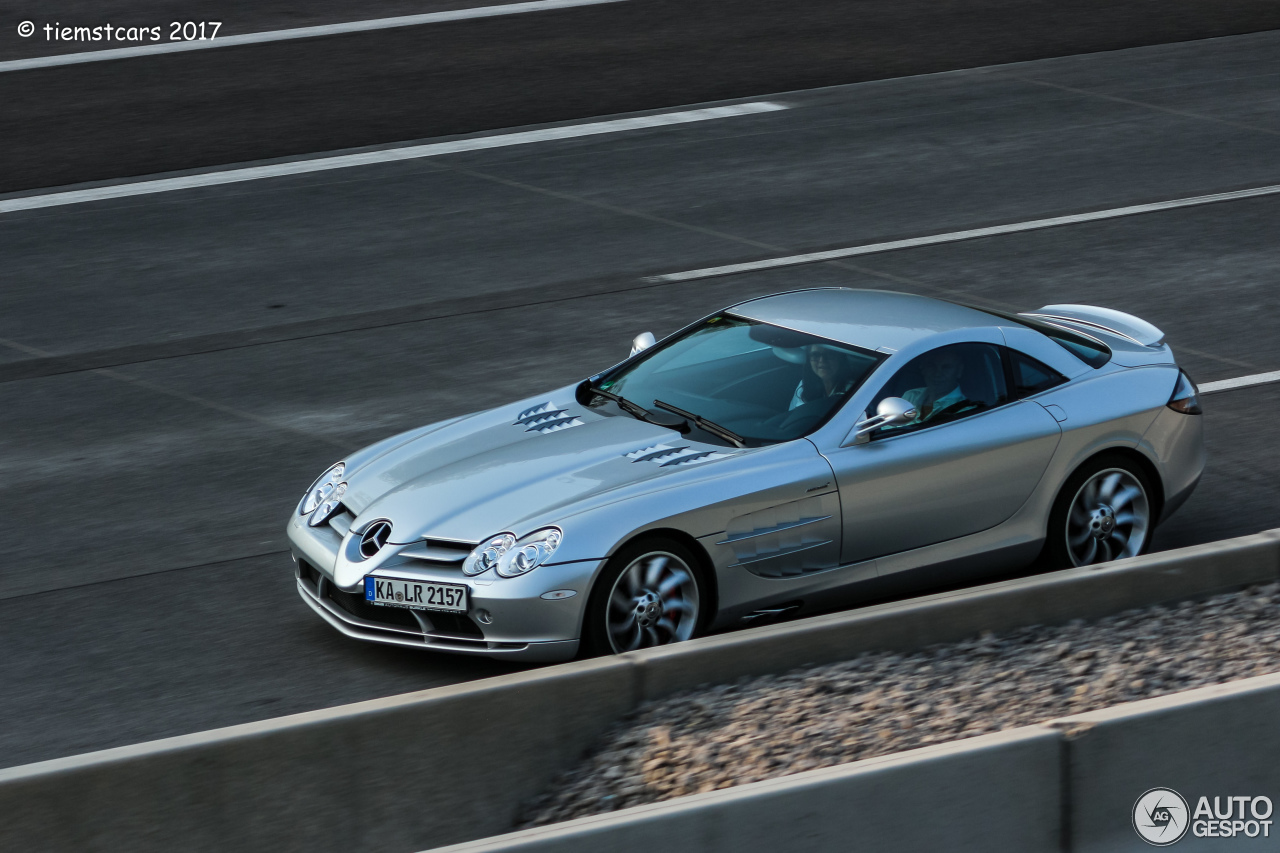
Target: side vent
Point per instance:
(787, 540)
(665, 455)
(546, 418)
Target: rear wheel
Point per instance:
(1103, 513)
(649, 594)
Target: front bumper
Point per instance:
(507, 618)
(401, 635)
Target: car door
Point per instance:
(971, 458)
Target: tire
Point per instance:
(656, 585)
(1105, 511)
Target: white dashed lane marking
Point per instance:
(957, 236)
(387, 155)
(1240, 382)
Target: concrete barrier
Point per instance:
(1217, 741)
(401, 773)
(453, 764)
(995, 792)
(1067, 785)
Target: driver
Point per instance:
(942, 371)
(829, 373)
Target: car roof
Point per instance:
(873, 319)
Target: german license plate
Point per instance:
(416, 595)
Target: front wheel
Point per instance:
(648, 595)
(1103, 513)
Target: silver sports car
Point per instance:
(799, 451)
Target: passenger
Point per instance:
(829, 373)
(942, 371)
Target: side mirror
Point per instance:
(892, 411)
(642, 341)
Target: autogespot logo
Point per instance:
(1160, 816)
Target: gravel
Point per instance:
(885, 702)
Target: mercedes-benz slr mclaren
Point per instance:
(799, 451)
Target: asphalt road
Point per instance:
(144, 587)
(176, 111)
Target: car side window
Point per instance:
(1030, 376)
(946, 384)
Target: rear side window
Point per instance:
(1087, 348)
(1030, 376)
(1092, 352)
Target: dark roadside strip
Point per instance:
(202, 567)
(34, 368)
(198, 108)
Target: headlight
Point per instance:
(530, 552)
(322, 488)
(512, 557)
(487, 554)
(327, 506)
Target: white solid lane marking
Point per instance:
(956, 236)
(296, 33)
(390, 155)
(1240, 382)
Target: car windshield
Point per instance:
(763, 382)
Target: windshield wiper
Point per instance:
(710, 426)
(633, 409)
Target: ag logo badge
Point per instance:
(1160, 816)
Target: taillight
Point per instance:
(1186, 398)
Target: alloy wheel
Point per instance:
(1109, 519)
(653, 602)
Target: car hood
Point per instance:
(507, 468)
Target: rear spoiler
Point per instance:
(1103, 319)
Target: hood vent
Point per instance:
(664, 455)
(546, 418)
(342, 520)
(439, 550)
